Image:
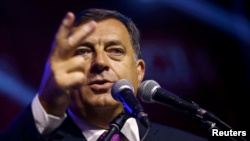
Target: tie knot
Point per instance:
(116, 137)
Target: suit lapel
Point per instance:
(68, 131)
(143, 130)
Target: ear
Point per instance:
(140, 66)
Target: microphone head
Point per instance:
(147, 89)
(120, 85)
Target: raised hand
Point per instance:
(64, 72)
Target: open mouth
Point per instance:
(101, 85)
(99, 82)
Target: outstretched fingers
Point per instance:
(67, 40)
(82, 32)
(65, 27)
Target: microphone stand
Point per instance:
(209, 126)
(116, 125)
(210, 122)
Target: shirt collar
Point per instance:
(92, 133)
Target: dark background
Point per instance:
(195, 49)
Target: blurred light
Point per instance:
(15, 89)
(233, 23)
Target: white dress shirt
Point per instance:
(46, 123)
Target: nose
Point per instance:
(100, 63)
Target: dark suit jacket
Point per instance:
(23, 128)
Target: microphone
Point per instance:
(150, 92)
(123, 91)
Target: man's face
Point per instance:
(109, 57)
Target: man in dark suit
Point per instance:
(90, 53)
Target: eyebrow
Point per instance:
(114, 42)
(106, 44)
(87, 44)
